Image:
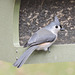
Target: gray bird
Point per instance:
(40, 40)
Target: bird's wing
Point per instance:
(41, 36)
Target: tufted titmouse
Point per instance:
(40, 40)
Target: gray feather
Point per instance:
(56, 21)
(41, 36)
(24, 57)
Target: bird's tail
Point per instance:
(24, 57)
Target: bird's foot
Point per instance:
(49, 49)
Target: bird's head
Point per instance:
(55, 26)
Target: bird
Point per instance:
(40, 40)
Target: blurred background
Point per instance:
(67, 68)
(35, 14)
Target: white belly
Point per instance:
(44, 46)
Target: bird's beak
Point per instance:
(61, 29)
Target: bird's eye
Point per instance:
(56, 26)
